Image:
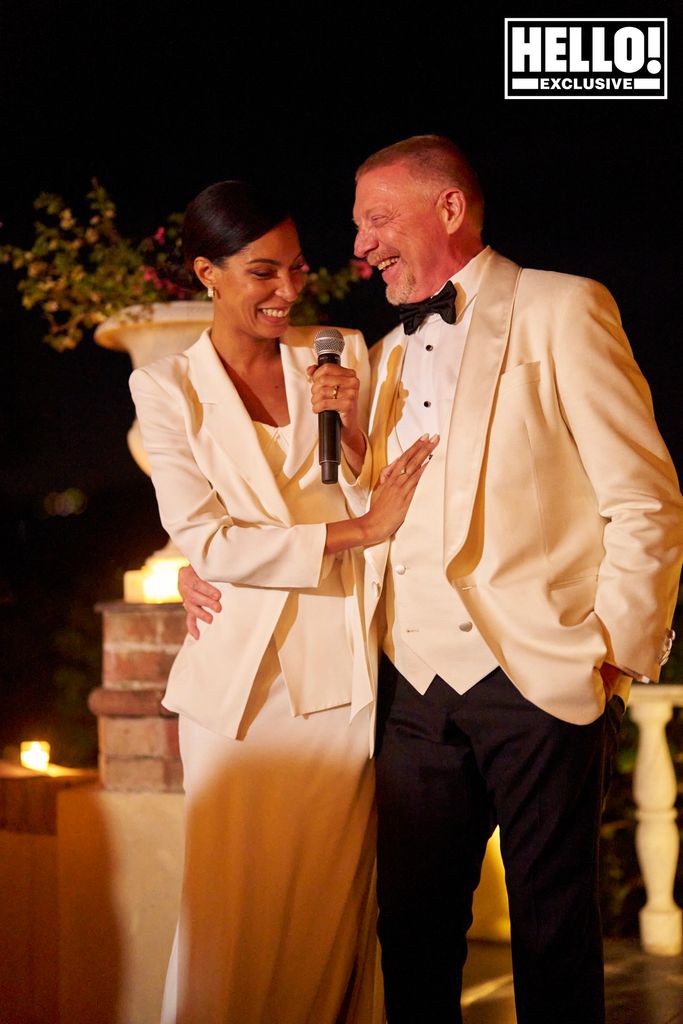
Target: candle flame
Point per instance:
(35, 754)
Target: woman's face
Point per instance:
(255, 289)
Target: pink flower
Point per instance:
(170, 287)
(159, 236)
(363, 267)
(149, 274)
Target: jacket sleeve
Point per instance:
(607, 406)
(218, 547)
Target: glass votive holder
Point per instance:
(35, 754)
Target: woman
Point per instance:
(274, 698)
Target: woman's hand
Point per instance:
(198, 596)
(337, 388)
(393, 492)
(389, 504)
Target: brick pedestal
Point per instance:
(138, 738)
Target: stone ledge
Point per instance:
(28, 799)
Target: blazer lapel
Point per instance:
(384, 413)
(386, 405)
(297, 353)
(485, 349)
(230, 425)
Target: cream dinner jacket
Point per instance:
(563, 522)
(219, 501)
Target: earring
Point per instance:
(209, 292)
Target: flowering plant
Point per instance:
(79, 274)
(322, 286)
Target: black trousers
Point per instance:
(449, 768)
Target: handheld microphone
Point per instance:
(329, 345)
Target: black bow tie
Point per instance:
(412, 314)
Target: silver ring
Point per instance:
(335, 390)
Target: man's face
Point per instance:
(401, 232)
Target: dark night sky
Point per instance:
(158, 104)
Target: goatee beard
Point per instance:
(400, 291)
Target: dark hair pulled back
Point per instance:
(225, 218)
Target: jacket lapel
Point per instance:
(229, 424)
(485, 349)
(383, 416)
(297, 353)
(386, 406)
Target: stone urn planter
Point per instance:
(150, 332)
(147, 333)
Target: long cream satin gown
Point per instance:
(277, 920)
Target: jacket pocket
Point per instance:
(525, 373)
(574, 599)
(575, 580)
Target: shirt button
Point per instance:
(427, 404)
(400, 569)
(429, 348)
(465, 627)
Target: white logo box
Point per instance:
(586, 58)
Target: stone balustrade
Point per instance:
(657, 838)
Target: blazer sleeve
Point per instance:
(607, 405)
(196, 517)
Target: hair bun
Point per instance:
(227, 217)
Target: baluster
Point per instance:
(657, 839)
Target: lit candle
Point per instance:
(35, 754)
(160, 579)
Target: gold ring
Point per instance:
(335, 389)
(402, 472)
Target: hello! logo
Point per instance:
(585, 58)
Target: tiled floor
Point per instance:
(640, 989)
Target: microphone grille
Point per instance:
(328, 339)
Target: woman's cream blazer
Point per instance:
(260, 544)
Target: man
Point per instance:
(535, 572)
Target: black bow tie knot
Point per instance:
(412, 314)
